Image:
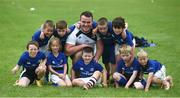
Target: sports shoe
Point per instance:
(39, 83)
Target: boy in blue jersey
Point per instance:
(43, 35)
(155, 70)
(57, 64)
(104, 30)
(126, 73)
(121, 36)
(90, 71)
(33, 63)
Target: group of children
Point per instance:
(46, 57)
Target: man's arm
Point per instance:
(99, 49)
(71, 49)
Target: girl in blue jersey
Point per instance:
(90, 71)
(155, 70)
(126, 73)
(33, 63)
(43, 35)
(57, 64)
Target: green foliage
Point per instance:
(157, 21)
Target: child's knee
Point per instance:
(138, 85)
(116, 76)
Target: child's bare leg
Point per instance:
(23, 82)
(96, 75)
(61, 83)
(68, 82)
(78, 82)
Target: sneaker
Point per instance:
(39, 83)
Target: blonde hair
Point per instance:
(125, 49)
(142, 53)
(52, 40)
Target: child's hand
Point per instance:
(94, 31)
(104, 84)
(78, 25)
(126, 87)
(61, 76)
(14, 70)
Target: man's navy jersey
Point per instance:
(57, 63)
(152, 66)
(128, 71)
(107, 38)
(62, 39)
(87, 70)
(119, 40)
(30, 63)
(42, 42)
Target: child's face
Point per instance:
(48, 31)
(126, 57)
(61, 32)
(33, 50)
(103, 28)
(87, 57)
(117, 31)
(143, 60)
(55, 46)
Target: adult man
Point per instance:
(83, 37)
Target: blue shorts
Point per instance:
(108, 55)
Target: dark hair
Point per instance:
(88, 50)
(51, 41)
(118, 22)
(32, 43)
(87, 14)
(61, 24)
(102, 21)
(48, 23)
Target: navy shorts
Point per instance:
(30, 74)
(108, 55)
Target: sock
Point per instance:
(91, 82)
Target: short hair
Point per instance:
(32, 43)
(118, 22)
(88, 50)
(61, 24)
(142, 53)
(87, 14)
(125, 49)
(102, 21)
(48, 23)
(52, 40)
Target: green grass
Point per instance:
(158, 21)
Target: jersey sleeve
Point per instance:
(21, 60)
(76, 66)
(99, 67)
(64, 58)
(119, 66)
(36, 36)
(72, 37)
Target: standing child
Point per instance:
(57, 64)
(90, 71)
(33, 63)
(126, 73)
(155, 70)
(43, 35)
(104, 30)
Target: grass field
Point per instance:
(156, 20)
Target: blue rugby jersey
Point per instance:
(87, 70)
(152, 66)
(57, 63)
(31, 63)
(121, 67)
(119, 40)
(42, 42)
